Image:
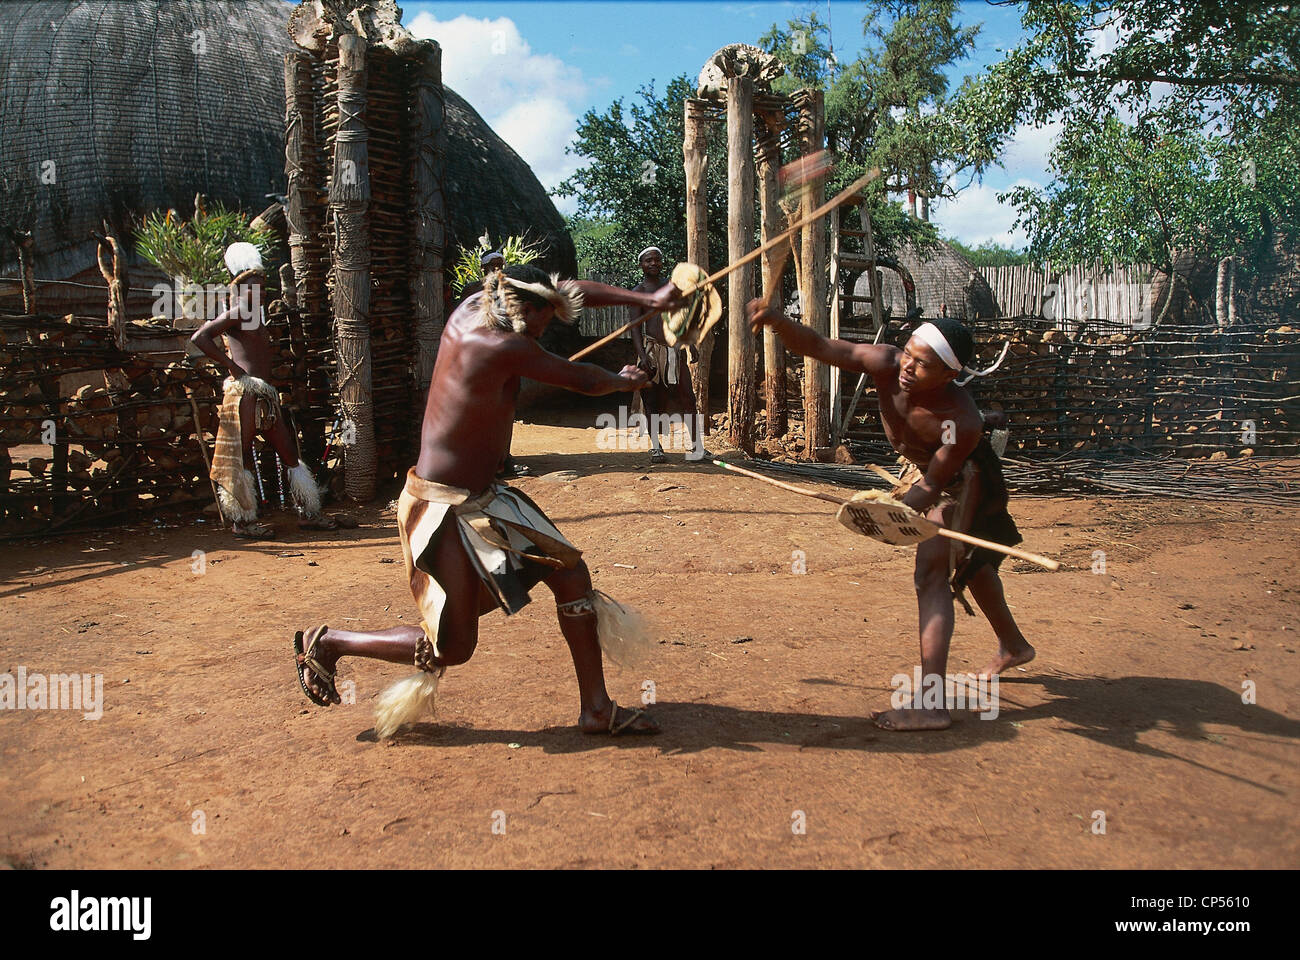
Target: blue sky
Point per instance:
(533, 68)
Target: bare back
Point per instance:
(471, 404)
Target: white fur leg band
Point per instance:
(406, 701)
(305, 491)
(624, 635)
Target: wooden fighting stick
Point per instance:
(1042, 561)
(844, 196)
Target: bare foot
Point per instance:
(1004, 661)
(625, 721)
(912, 718)
(326, 658)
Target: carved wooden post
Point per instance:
(118, 383)
(742, 390)
(768, 154)
(812, 135)
(304, 231)
(697, 237)
(350, 205)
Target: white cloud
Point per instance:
(976, 216)
(1026, 154)
(539, 129)
(530, 99)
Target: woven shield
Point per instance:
(875, 514)
(687, 326)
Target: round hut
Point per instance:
(114, 108)
(943, 278)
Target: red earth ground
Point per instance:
(208, 755)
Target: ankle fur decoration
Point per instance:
(406, 701)
(624, 635)
(230, 507)
(305, 491)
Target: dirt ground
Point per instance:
(208, 755)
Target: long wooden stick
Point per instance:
(203, 448)
(1042, 561)
(840, 198)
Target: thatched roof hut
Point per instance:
(112, 108)
(943, 278)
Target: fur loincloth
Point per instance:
(235, 482)
(667, 361)
(512, 546)
(510, 542)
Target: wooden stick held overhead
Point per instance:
(845, 195)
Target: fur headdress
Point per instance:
(506, 293)
(242, 257)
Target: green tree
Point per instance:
(886, 107)
(990, 254)
(632, 191)
(1178, 125)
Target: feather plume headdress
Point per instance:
(504, 302)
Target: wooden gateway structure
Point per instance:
(735, 89)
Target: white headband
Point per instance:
(933, 337)
(642, 254)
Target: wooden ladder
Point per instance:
(846, 265)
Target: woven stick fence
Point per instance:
(1180, 391)
(123, 444)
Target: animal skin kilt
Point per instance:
(510, 542)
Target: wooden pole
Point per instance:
(305, 244)
(108, 255)
(812, 136)
(768, 156)
(696, 161)
(785, 236)
(350, 205)
(428, 134)
(742, 389)
(833, 286)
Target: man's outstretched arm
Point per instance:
(799, 338)
(524, 357)
(596, 294)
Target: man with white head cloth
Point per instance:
(666, 366)
(952, 475)
(251, 405)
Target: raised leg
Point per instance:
(1013, 649)
(457, 633)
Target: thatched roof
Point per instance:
(113, 92)
(945, 277)
(488, 187)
